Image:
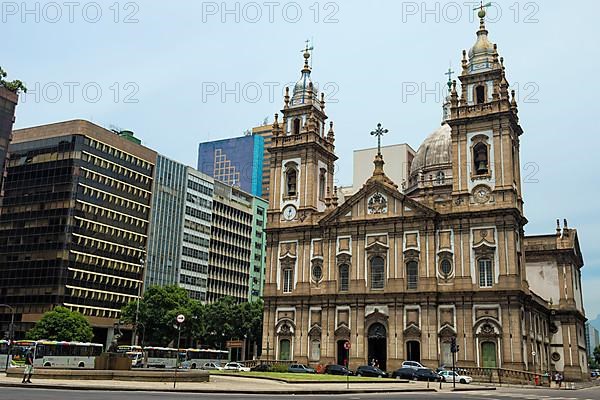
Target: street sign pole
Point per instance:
(180, 320)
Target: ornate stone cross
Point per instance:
(379, 132)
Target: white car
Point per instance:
(412, 364)
(211, 366)
(448, 376)
(234, 366)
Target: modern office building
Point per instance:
(592, 339)
(236, 162)
(8, 103)
(266, 132)
(74, 223)
(237, 247)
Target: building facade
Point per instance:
(236, 162)
(236, 265)
(74, 223)
(265, 131)
(8, 104)
(179, 238)
(399, 274)
(592, 339)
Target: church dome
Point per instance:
(435, 151)
(481, 55)
(301, 93)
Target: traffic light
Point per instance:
(453, 346)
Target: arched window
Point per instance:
(291, 181)
(322, 183)
(412, 274)
(485, 272)
(296, 126)
(480, 94)
(344, 278)
(288, 279)
(377, 273)
(284, 350)
(481, 159)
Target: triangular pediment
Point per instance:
(375, 200)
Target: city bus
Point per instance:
(53, 354)
(160, 357)
(3, 354)
(196, 358)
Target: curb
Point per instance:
(473, 389)
(200, 391)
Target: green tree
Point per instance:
(597, 354)
(221, 320)
(14, 86)
(158, 310)
(62, 324)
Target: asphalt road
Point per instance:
(24, 393)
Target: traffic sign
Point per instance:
(347, 345)
(180, 318)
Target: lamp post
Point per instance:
(134, 336)
(11, 333)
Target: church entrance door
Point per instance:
(378, 345)
(413, 351)
(342, 353)
(488, 355)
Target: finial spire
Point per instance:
(449, 73)
(306, 52)
(481, 13)
(379, 132)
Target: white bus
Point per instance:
(3, 354)
(65, 354)
(196, 358)
(160, 357)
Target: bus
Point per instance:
(160, 357)
(53, 354)
(3, 354)
(196, 358)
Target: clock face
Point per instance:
(482, 194)
(289, 213)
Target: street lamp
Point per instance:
(134, 336)
(11, 332)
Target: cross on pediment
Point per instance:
(379, 132)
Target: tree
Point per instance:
(62, 324)
(15, 86)
(597, 354)
(158, 310)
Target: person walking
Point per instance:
(28, 366)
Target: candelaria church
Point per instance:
(399, 273)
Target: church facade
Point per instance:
(396, 274)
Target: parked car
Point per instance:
(335, 369)
(426, 374)
(448, 376)
(412, 364)
(211, 366)
(404, 373)
(261, 368)
(235, 366)
(368, 370)
(301, 368)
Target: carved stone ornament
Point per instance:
(377, 204)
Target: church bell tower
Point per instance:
(485, 130)
(302, 154)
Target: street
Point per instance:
(501, 394)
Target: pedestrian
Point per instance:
(560, 379)
(28, 366)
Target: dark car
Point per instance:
(404, 373)
(301, 368)
(367, 370)
(261, 368)
(334, 369)
(425, 374)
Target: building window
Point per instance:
(480, 94)
(296, 126)
(441, 178)
(485, 272)
(344, 278)
(377, 272)
(288, 280)
(446, 268)
(291, 181)
(317, 272)
(322, 183)
(412, 275)
(481, 159)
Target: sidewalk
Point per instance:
(224, 384)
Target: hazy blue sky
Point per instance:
(158, 65)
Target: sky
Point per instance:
(180, 72)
